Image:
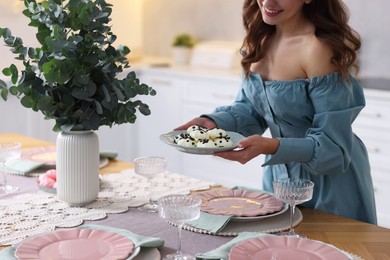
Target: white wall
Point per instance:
(372, 20)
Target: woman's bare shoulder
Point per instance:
(317, 57)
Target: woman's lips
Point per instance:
(271, 12)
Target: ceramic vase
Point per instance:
(77, 166)
(181, 55)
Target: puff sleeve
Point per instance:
(328, 144)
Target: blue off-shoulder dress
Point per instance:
(312, 118)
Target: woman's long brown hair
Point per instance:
(330, 18)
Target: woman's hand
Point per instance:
(202, 121)
(251, 147)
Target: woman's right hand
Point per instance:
(201, 121)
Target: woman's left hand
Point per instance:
(250, 148)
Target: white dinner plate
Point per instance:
(169, 138)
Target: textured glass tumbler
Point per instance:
(179, 209)
(149, 167)
(8, 151)
(293, 192)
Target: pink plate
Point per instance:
(292, 248)
(239, 203)
(76, 244)
(46, 155)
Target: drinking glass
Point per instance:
(149, 167)
(8, 151)
(293, 192)
(179, 209)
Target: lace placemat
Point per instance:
(30, 214)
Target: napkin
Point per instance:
(109, 155)
(223, 251)
(22, 166)
(210, 222)
(138, 240)
(142, 241)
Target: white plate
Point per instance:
(169, 138)
(80, 243)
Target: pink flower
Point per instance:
(48, 179)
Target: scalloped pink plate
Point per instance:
(239, 203)
(292, 248)
(80, 244)
(46, 155)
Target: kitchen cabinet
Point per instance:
(165, 116)
(18, 119)
(373, 127)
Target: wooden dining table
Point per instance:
(359, 238)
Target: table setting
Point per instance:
(227, 222)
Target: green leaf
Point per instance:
(14, 73)
(7, 72)
(99, 108)
(107, 96)
(119, 94)
(84, 92)
(90, 120)
(27, 101)
(58, 71)
(81, 78)
(152, 91)
(13, 90)
(144, 109)
(44, 104)
(3, 90)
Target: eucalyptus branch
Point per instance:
(71, 77)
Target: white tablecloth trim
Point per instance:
(30, 214)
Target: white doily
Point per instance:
(30, 214)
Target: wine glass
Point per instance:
(293, 192)
(8, 151)
(149, 167)
(179, 209)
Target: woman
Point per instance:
(298, 59)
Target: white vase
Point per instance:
(181, 55)
(77, 166)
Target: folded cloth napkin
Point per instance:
(109, 155)
(21, 166)
(142, 241)
(223, 251)
(137, 240)
(210, 222)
